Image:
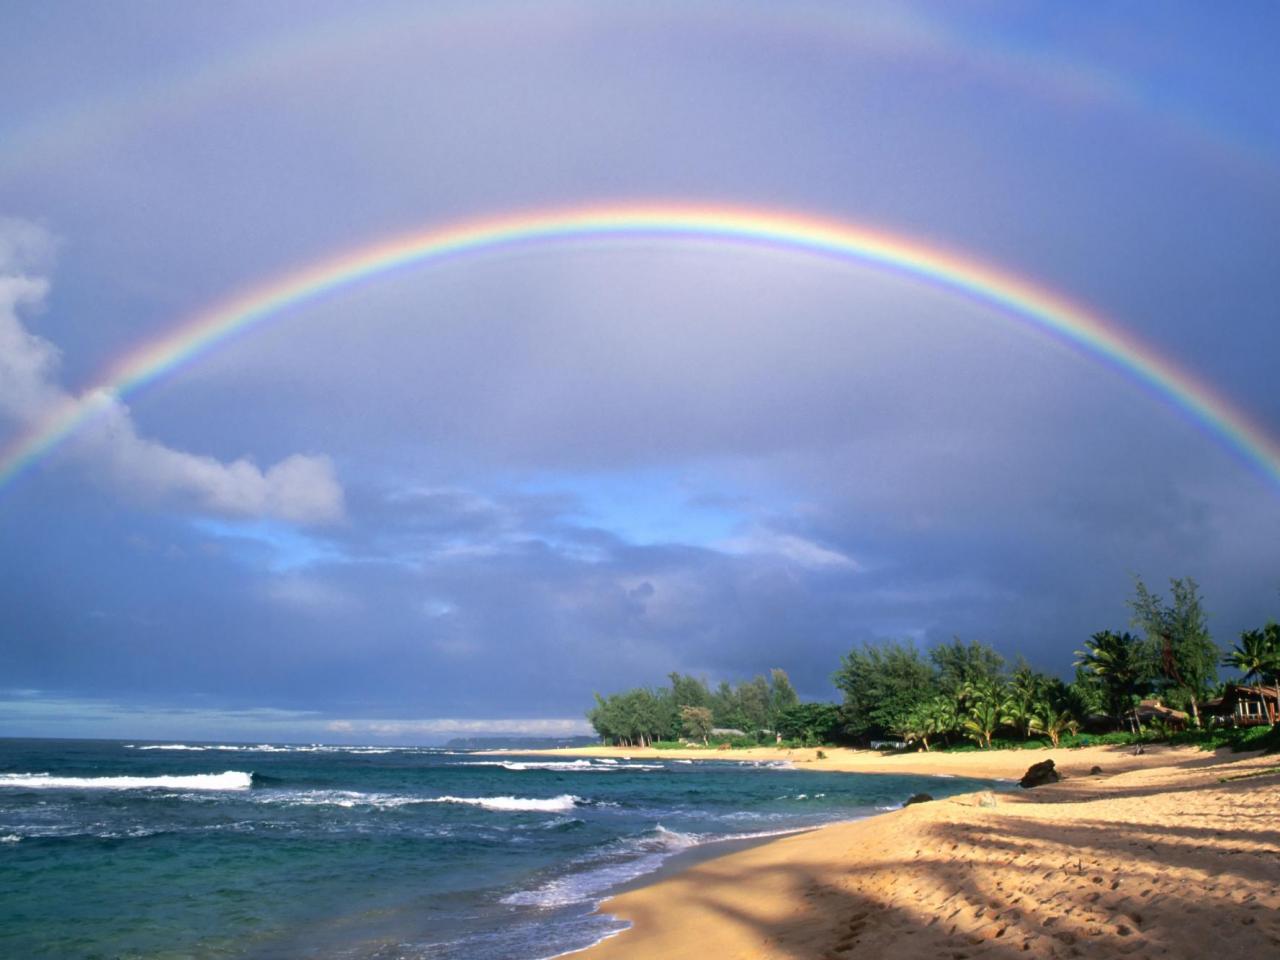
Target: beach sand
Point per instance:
(1173, 853)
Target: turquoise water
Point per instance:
(141, 850)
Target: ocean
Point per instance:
(285, 852)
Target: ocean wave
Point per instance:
(228, 780)
(566, 766)
(560, 804)
(10, 838)
(623, 861)
(261, 748)
(769, 764)
(561, 765)
(336, 798)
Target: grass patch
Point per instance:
(1216, 738)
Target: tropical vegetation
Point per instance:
(899, 696)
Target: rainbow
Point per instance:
(984, 284)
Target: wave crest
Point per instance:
(560, 804)
(227, 780)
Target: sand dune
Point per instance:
(1177, 857)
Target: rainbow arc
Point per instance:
(1012, 296)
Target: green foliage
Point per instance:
(696, 722)
(1053, 722)
(931, 721)
(633, 718)
(689, 691)
(1086, 696)
(984, 710)
(643, 716)
(891, 691)
(960, 664)
(809, 724)
(1257, 656)
(1178, 651)
(753, 704)
(1114, 663)
(782, 696)
(1026, 692)
(882, 684)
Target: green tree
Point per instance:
(931, 719)
(882, 684)
(1086, 696)
(1026, 690)
(689, 691)
(1053, 722)
(1257, 657)
(810, 723)
(985, 710)
(1115, 662)
(1178, 647)
(782, 696)
(696, 722)
(726, 709)
(960, 664)
(753, 701)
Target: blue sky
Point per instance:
(464, 498)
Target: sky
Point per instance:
(463, 496)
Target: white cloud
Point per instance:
(301, 489)
(310, 595)
(789, 547)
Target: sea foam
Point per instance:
(558, 804)
(228, 780)
(620, 862)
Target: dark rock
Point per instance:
(917, 798)
(1038, 774)
(1095, 771)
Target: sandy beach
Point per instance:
(1172, 853)
(983, 764)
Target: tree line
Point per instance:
(688, 708)
(963, 690)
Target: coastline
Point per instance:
(979, 764)
(1168, 853)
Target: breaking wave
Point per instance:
(228, 780)
(264, 748)
(621, 862)
(560, 804)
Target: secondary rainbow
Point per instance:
(1010, 295)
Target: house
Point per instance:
(1148, 710)
(1243, 706)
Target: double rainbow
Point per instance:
(1011, 296)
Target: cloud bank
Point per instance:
(300, 488)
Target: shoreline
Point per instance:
(978, 764)
(1166, 853)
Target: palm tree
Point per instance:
(1257, 656)
(1115, 660)
(1026, 689)
(986, 712)
(932, 718)
(1049, 720)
